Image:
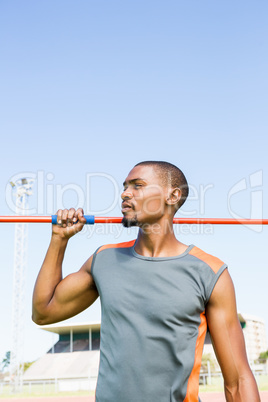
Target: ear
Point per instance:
(174, 196)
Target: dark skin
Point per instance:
(151, 205)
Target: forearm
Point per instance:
(49, 277)
(244, 390)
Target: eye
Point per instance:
(138, 185)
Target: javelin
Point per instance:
(91, 219)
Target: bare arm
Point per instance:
(228, 341)
(54, 298)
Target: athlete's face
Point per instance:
(143, 197)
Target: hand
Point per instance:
(69, 222)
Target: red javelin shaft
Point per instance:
(198, 221)
(105, 219)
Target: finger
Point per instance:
(59, 217)
(70, 217)
(80, 215)
(78, 212)
(64, 217)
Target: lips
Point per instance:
(126, 207)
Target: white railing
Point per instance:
(52, 386)
(55, 386)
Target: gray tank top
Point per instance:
(153, 322)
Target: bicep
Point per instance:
(73, 294)
(225, 330)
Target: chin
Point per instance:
(127, 223)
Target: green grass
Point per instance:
(262, 382)
(38, 391)
(215, 386)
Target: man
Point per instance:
(157, 296)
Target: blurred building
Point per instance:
(73, 361)
(255, 335)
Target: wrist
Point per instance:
(59, 240)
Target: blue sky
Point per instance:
(93, 87)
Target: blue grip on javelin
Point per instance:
(90, 219)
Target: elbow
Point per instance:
(43, 317)
(39, 318)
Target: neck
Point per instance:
(158, 240)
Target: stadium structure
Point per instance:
(73, 360)
(255, 336)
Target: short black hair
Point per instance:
(170, 175)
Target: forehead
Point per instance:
(146, 172)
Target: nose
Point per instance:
(126, 194)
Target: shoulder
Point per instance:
(216, 264)
(106, 253)
(127, 244)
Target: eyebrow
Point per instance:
(134, 181)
